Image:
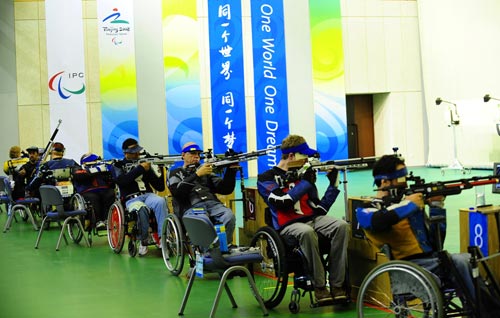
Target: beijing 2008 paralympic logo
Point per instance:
(115, 15)
(116, 31)
(64, 92)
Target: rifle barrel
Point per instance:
(220, 161)
(351, 163)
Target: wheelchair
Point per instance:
(122, 223)
(175, 244)
(282, 256)
(61, 178)
(78, 202)
(405, 289)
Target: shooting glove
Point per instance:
(310, 175)
(334, 177)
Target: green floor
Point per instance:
(94, 282)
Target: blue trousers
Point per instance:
(154, 202)
(218, 213)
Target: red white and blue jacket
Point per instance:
(292, 201)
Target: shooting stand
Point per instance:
(456, 164)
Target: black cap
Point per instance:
(130, 145)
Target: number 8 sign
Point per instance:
(478, 231)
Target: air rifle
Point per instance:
(231, 157)
(46, 151)
(156, 159)
(438, 188)
(299, 167)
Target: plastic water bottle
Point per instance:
(221, 233)
(480, 196)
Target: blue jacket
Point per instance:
(403, 226)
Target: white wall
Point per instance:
(382, 57)
(460, 58)
(8, 92)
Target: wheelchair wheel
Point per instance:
(271, 276)
(171, 244)
(294, 305)
(77, 203)
(116, 227)
(400, 289)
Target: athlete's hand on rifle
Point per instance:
(334, 177)
(204, 169)
(417, 198)
(146, 165)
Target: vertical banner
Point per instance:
(328, 78)
(117, 74)
(227, 78)
(271, 95)
(478, 231)
(182, 73)
(66, 74)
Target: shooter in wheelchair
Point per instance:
(58, 172)
(95, 192)
(422, 280)
(136, 180)
(298, 214)
(194, 186)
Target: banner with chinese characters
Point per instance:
(117, 74)
(66, 75)
(182, 73)
(227, 78)
(269, 63)
(328, 78)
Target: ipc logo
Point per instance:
(56, 84)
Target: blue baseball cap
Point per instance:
(190, 147)
(89, 157)
(302, 148)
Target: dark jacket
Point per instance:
(137, 180)
(188, 189)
